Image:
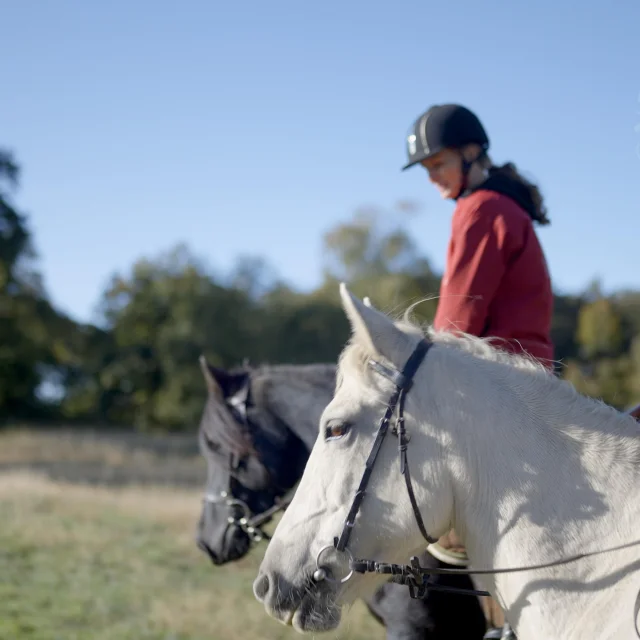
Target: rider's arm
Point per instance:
(475, 265)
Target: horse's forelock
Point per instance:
(353, 361)
(222, 428)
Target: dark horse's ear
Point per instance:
(221, 383)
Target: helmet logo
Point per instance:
(411, 143)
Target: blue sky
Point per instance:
(254, 127)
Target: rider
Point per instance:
(496, 283)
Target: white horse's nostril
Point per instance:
(261, 586)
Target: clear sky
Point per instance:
(253, 127)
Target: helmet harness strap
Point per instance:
(466, 168)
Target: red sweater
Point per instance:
(496, 282)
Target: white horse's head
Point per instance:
(385, 528)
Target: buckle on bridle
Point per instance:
(396, 377)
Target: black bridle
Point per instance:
(250, 522)
(240, 514)
(410, 575)
(415, 576)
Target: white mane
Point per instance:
(575, 406)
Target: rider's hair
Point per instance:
(509, 170)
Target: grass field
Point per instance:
(97, 543)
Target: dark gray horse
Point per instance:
(257, 429)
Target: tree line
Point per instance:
(138, 366)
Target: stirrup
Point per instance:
(507, 632)
(500, 633)
(449, 556)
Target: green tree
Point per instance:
(381, 261)
(599, 331)
(563, 326)
(162, 317)
(27, 319)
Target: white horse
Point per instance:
(524, 468)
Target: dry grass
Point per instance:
(116, 560)
(104, 457)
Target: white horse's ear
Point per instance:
(372, 327)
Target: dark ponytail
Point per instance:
(537, 210)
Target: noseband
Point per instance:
(249, 522)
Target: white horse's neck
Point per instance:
(538, 474)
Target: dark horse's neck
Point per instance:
(295, 395)
(289, 402)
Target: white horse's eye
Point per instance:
(336, 430)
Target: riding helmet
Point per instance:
(443, 126)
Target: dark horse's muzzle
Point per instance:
(234, 545)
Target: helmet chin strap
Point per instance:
(466, 168)
(464, 183)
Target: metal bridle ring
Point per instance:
(320, 574)
(234, 502)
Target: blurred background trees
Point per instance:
(138, 367)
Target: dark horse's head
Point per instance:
(253, 460)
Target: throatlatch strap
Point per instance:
(404, 469)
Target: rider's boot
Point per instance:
(505, 633)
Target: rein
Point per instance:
(415, 576)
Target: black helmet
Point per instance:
(442, 126)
